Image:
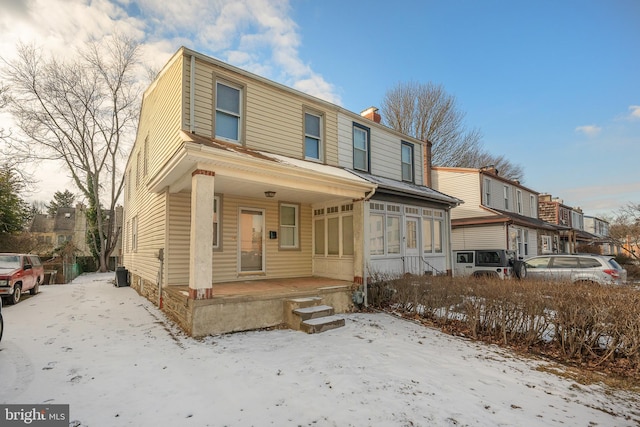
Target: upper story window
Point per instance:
(519, 201)
(407, 161)
(506, 198)
(487, 192)
(533, 206)
(228, 117)
(312, 136)
(361, 147)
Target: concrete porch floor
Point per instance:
(289, 287)
(250, 304)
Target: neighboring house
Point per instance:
(568, 220)
(408, 223)
(497, 213)
(237, 182)
(600, 229)
(68, 224)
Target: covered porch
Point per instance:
(252, 304)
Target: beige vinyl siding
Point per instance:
(161, 118)
(487, 237)
(177, 254)
(385, 149)
(279, 263)
(272, 119)
(464, 186)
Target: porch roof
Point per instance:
(246, 172)
(405, 189)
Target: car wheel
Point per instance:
(15, 296)
(520, 269)
(35, 289)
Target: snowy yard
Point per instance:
(117, 361)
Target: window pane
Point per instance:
(312, 148)
(312, 125)
(287, 237)
(359, 139)
(227, 126)
(333, 234)
(319, 237)
(393, 235)
(347, 235)
(228, 99)
(437, 236)
(407, 173)
(287, 215)
(360, 160)
(376, 236)
(427, 238)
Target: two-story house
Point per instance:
(239, 194)
(600, 229)
(569, 222)
(497, 213)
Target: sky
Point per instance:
(117, 361)
(553, 86)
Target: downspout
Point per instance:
(161, 258)
(192, 97)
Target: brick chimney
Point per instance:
(371, 113)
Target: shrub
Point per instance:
(579, 323)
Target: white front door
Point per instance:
(411, 237)
(251, 240)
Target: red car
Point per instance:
(19, 273)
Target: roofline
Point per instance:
(483, 172)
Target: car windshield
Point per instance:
(9, 261)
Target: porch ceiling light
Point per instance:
(270, 194)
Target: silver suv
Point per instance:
(602, 269)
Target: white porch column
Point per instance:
(201, 243)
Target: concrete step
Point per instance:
(314, 312)
(321, 324)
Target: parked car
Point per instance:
(593, 268)
(19, 273)
(498, 263)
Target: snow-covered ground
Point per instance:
(118, 361)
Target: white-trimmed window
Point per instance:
(333, 231)
(134, 234)
(361, 147)
(376, 234)
(519, 201)
(289, 226)
(216, 222)
(393, 234)
(507, 198)
(228, 114)
(312, 136)
(547, 247)
(432, 231)
(487, 192)
(407, 161)
(533, 206)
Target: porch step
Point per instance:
(321, 324)
(314, 312)
(310, 315)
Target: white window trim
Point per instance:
(519, 201)
(486, 193)
(411, 163)
(295, 227)
(507, 197)
(240, 90)
(319, 138)
(367, 131)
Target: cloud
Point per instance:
(589, 130)
(635, 112)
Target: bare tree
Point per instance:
(82, 113)
(428, 112)
(624, 230)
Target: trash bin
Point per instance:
(122, 277)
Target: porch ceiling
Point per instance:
(249, 173)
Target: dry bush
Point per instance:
(581, 323)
